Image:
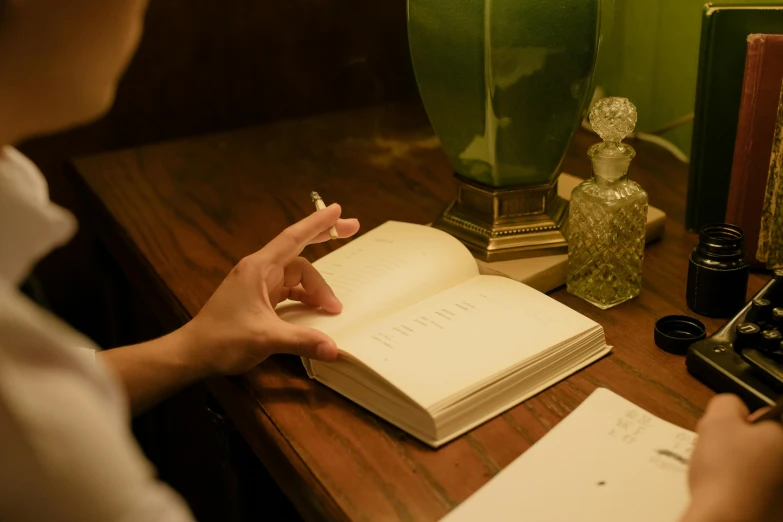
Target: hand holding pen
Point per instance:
(238, 327)
(319, 205)
(736, 470)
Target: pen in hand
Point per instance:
(319, 205)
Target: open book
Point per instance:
(429, 344)
(608, 461)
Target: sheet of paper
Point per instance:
(609, 461)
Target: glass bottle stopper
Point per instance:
(612, 119)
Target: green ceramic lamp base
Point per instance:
(509, 223)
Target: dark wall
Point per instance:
(204, 66)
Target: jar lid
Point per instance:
(675, 333)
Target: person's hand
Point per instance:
(238, 327)
(736, 471)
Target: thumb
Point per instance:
(304, 342)
(725, 408)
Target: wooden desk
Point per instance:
(179, 215)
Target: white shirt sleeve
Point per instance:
(66, 449)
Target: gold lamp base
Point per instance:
(510, 223)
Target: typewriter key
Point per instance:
(747, 333)
(777, 317)
(770, 340)
(759, 311)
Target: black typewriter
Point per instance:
(745, 356)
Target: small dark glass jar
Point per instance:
(718, 272)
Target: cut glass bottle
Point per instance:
(608, 215)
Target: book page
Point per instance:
(460, 338)
(609, 460)
(385, 270)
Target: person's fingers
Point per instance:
(291, 241)
(302, 341)
(317, 291)
(758, 413)
(298, 293)
(725, 408)
(301, 295)
(345, 228)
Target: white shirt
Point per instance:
(66, 449)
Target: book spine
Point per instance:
(744, 141)
(697, 140)
(770, 249)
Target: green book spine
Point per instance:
(698, 125)
(722, 51)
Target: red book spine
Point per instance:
(755, 133)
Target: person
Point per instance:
(736, 470)
(66, 449)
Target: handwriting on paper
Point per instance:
(437, 319)
(673, 455)
(356, 268)
(676, 455)
(630, 426)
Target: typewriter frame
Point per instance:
(754, 377)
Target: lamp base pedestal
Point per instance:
(509, 223)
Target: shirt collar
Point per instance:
(30, 224)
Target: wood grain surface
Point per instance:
(179, 215)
